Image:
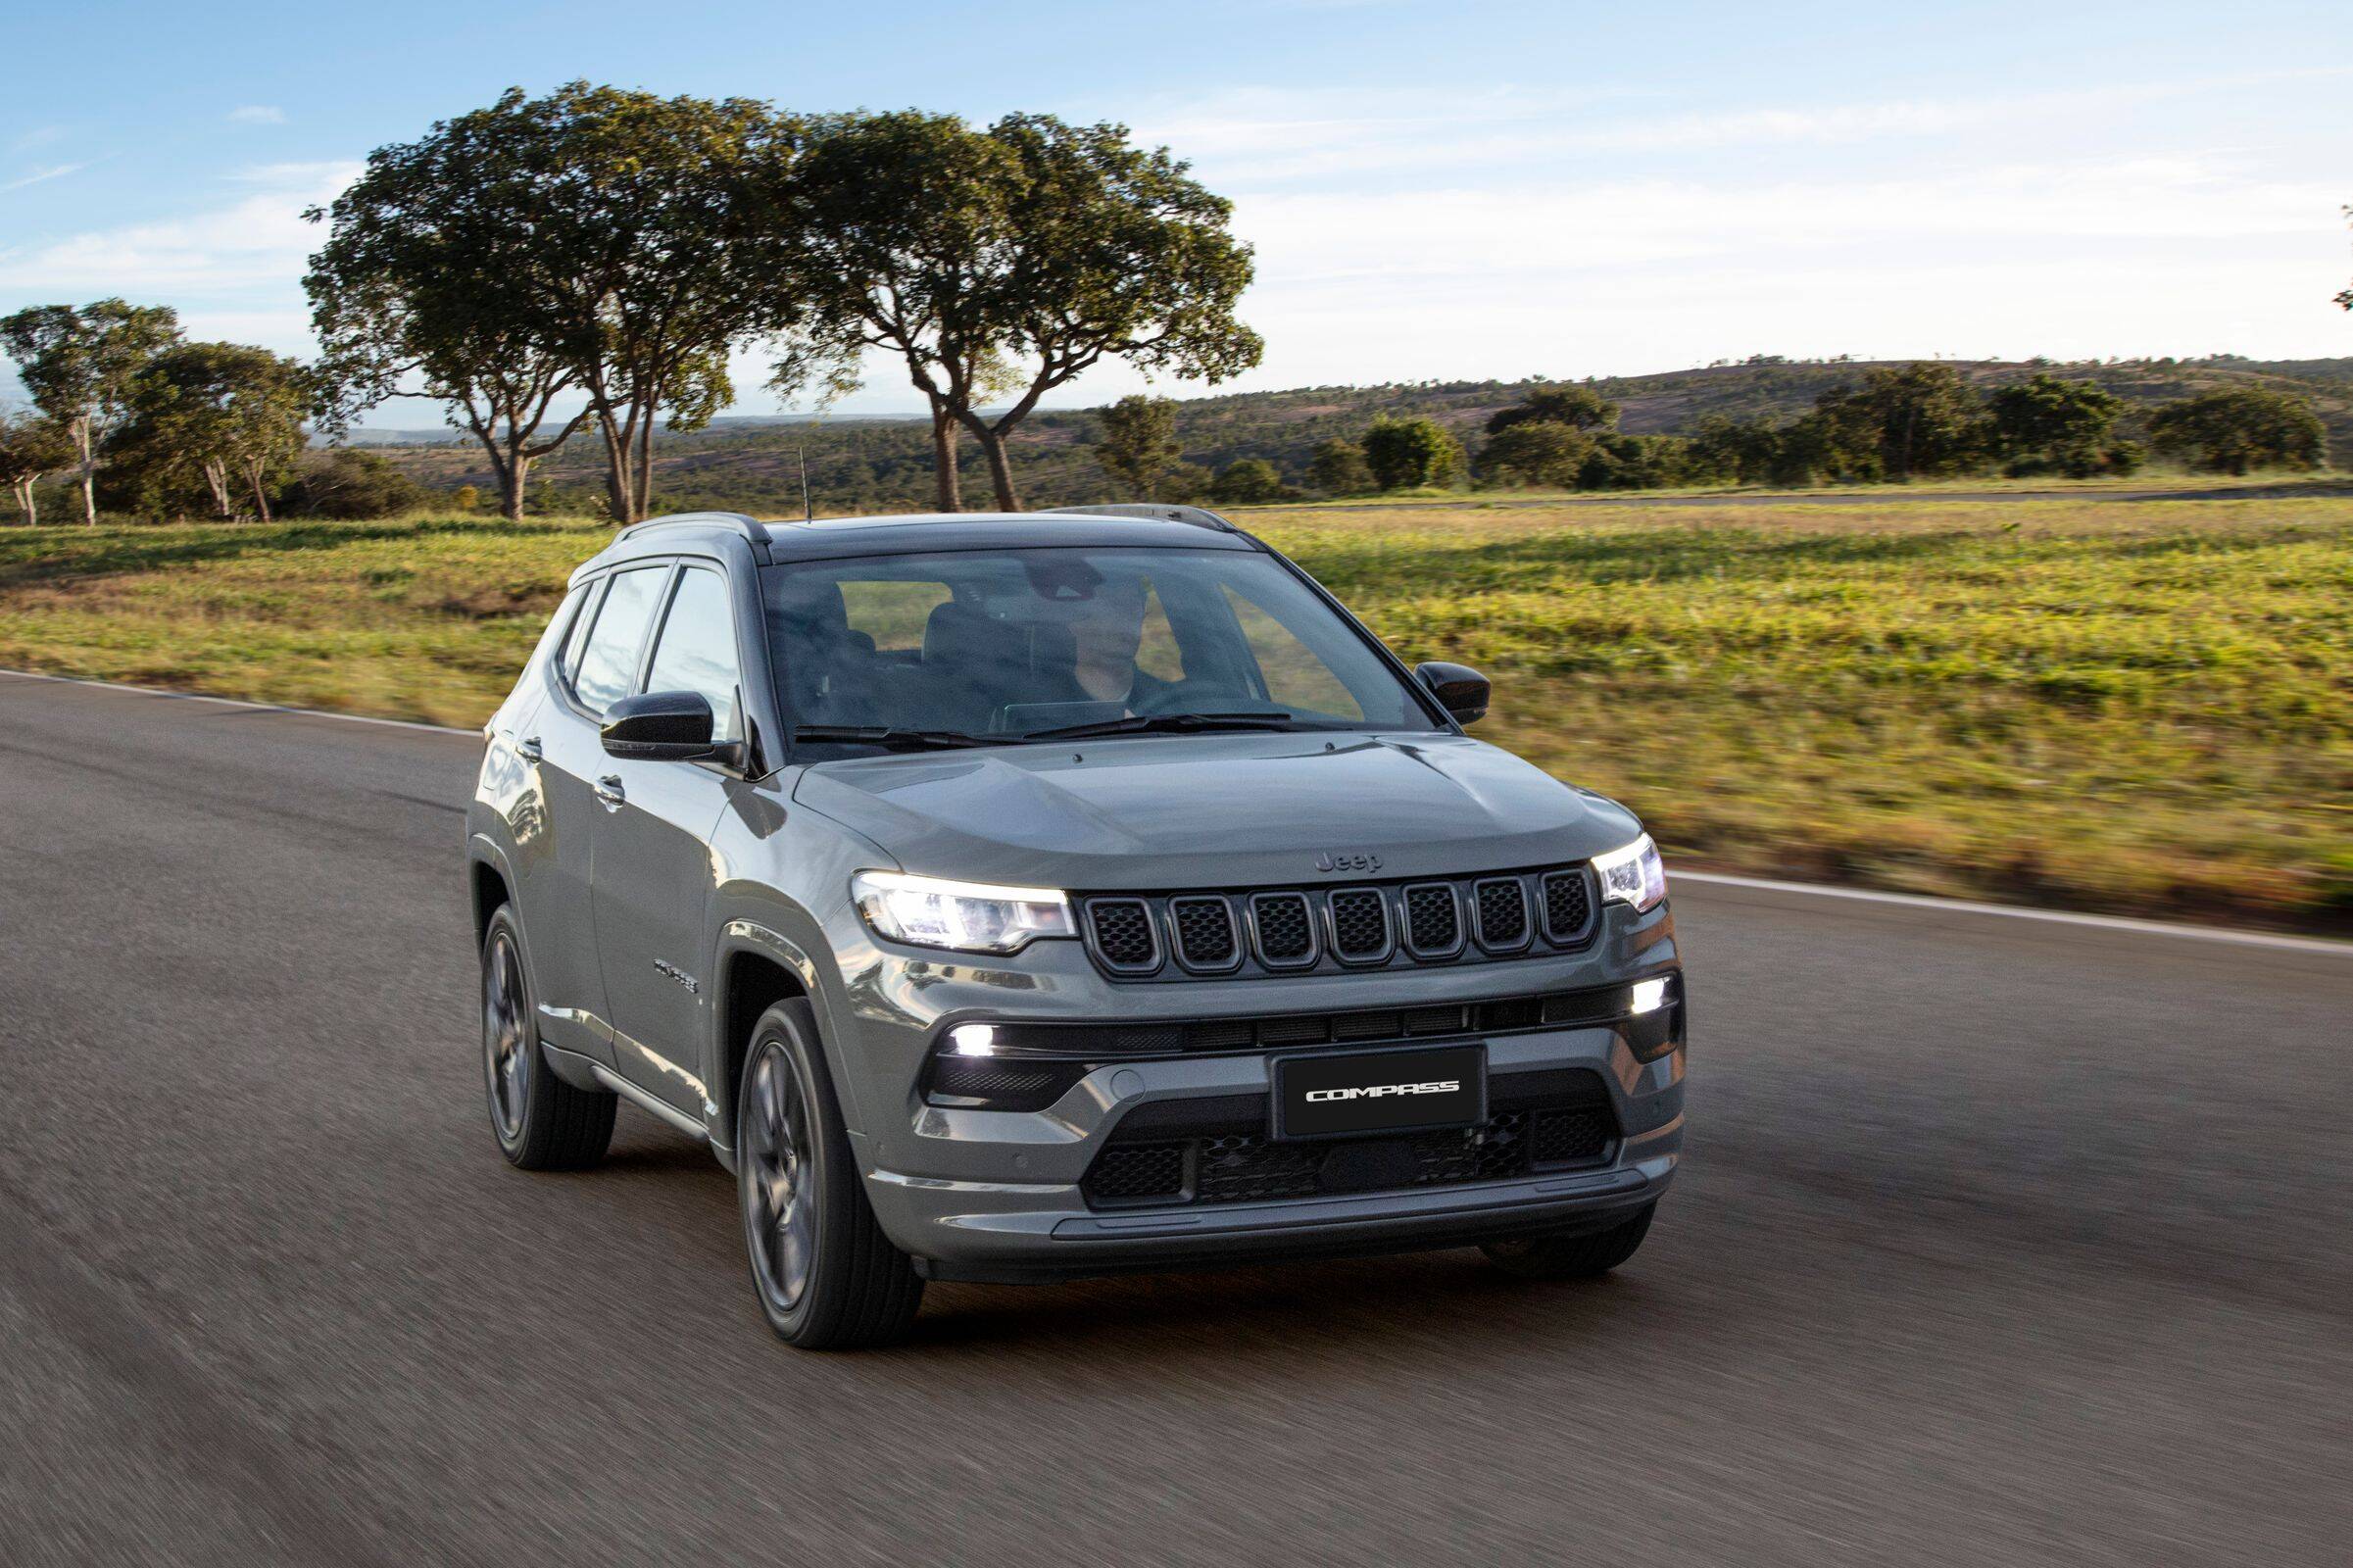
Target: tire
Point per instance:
(825, 1275)
(541, 1122)
(1572, 1257)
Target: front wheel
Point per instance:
(1572, 1257)
(542, 1122)
(827, 1278)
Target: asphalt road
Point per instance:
(1998, 1241)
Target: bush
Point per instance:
(2232, 432)
(465, 498)
(1405, 453)
(1249, 482)
(1337, 468)
(1536, 454)
(348, 483)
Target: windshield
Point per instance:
(1010, 645)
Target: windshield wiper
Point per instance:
(1161, 723)
(894, 740)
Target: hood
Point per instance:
(1215, 810)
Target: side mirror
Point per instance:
(1460, 689)
(661, 727)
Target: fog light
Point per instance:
(973, 1040)
(1649, 996)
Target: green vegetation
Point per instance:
(2134, 706)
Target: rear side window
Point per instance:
(575, 641)
(697, 649)
(608, 665)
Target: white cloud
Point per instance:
(247, 254)
(257, 114)
(53, 171)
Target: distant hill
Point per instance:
(750, 464)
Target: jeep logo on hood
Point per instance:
(1331, 860)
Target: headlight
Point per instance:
(928, 912)
(1632, 875)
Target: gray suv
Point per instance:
(1022, 898)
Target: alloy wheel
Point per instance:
(780, 1210)
(506, 1035)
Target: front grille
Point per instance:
(1206, 937)
(1257, 932)
(1123, 933)
(1286, 928)
(1433, 921)
(1361, 925)
(1503, 914)
(1218, 1152)
(1568, 908)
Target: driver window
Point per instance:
(696, 650)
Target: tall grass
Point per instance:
(2142, 706)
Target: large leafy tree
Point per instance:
(1542, 452)
(431, 286)
(226, 414)
(1580, 408)
(1139, 447)
(1905, 422)
(1405, 453)
(30, 445)
(1337, 468)
(2044, 422)
(596, 240)
(998, 265)
(79, 366)
(2247, 427)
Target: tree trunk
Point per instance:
(511, 486)
(942, 457)
(23, 489)
(261, 496)
(80, 429)
(642, 496)
(1000, 467)
(216, 479)
(620, 490)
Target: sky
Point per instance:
(1452, 191)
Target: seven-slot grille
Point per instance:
(1364, 926)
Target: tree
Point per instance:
(2249, 427)
(225, 411)
(1915, 420)
(2045, 423)
(1580, 408)
(1139, 446)
(1539, 453)
(1739, 451)
(598, 240)
(1249, 481)
(80, 365)
(1004, 262)
(1338, 467)
(30, 446)
(1406, 453)
(347, 484)
(431, 272)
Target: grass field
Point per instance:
(2141, 706)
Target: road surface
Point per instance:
(1999, 1241)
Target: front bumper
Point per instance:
(999, 1194)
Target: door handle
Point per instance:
(609, 792)
(529, 750)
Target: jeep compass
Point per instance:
(1026, 898)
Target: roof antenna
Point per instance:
(807, 514)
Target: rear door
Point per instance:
(653, 876)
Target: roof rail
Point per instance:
(1165, 512)
(755, 532)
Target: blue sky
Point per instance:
(1468, 189)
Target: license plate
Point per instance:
(1380, 1091)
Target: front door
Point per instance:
(654, 880)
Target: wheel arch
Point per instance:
(757, 968)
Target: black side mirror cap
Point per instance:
(1460, 689)
(661, 727)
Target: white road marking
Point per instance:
(1815, 890)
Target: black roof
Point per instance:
(833, 537)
